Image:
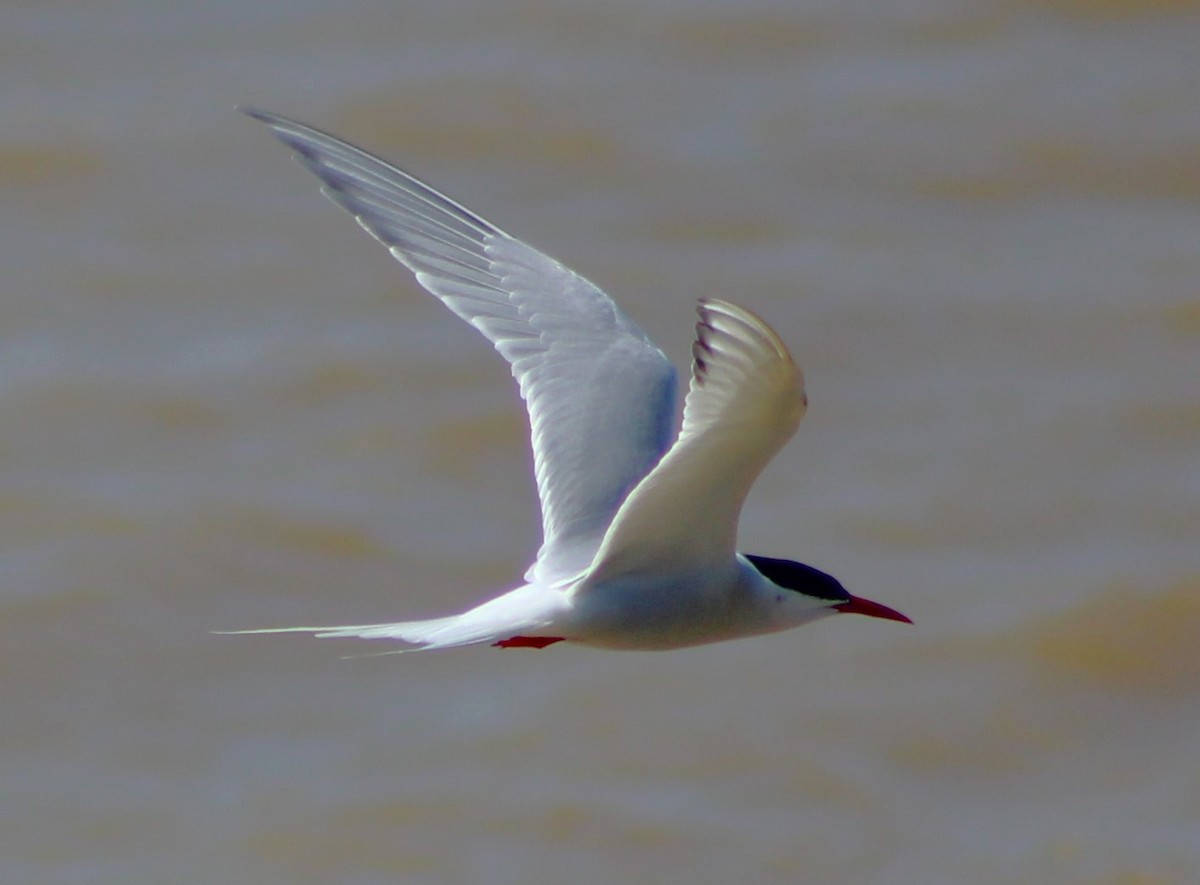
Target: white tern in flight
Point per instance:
(638, 530)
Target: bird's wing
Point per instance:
(600, 394)
(745, 401)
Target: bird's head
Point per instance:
(814, 583)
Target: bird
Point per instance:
(639, 523)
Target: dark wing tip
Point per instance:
(264, 116)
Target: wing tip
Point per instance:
(709, 308)
(275, 121)
(729, 334)
(712, 310)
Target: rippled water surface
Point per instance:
(222, 405)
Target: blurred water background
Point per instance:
(222, 405)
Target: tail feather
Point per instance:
(524, 611)
(433, 633)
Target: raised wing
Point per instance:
(745, 401)
(600, 394)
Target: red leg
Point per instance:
(527, 642)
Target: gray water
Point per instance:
(977, 225)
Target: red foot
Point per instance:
(527, 642)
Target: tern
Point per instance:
(638, 529)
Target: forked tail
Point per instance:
(507, 621)
(434, 633)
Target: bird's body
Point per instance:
(688, 608)
(633, 612)
(639, 531)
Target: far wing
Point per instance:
(745, 401)
(600, 394)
